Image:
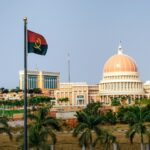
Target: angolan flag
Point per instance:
(36, 43)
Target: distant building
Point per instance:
(40, 79)
(147, 89)
(76, 92)
(93, 93)
(120, 80)
(12, 96)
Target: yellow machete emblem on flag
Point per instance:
(37, 44)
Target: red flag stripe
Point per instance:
(32, 37)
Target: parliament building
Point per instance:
(120, 80)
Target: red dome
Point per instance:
(120, 63)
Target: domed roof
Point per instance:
(120, 63)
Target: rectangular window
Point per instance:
(80, 99)
(50, 82)
(32, 82)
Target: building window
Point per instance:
(32, 82)
(50, 82)
(80, 99)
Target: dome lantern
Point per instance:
(120, 49)
(120, 63)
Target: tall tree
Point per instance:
(44, 125)
(110, 117)
(41, 128)
(93, 108)
(87, 128)
(106, 138)
(136, 121)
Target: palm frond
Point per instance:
(33, 117)
(85, 138)
(79, 128)
(130, 134)
(53, 136)
(3, 121)
(49, 121)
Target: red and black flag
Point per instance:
(36, 43)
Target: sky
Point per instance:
(90, 30)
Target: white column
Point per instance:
(73, 98)
(117, 86)
(106, 100)
(130, 85)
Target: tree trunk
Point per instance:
(91, 147)
(107, 146)
(83, 147)
(114, 146)
(142, 146)
(148, 146)
(52, 147)
(37, 148)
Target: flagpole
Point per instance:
(25, 85)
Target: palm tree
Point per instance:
(110, 117)
(93, 108)
(38, 137)
(4, 127)
(86, 128)
(136, 121)
(43, 125)
(106, 138)
(41, 128)
(138, 128)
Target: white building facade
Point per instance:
(120, 79)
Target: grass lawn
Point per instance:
(10, 113)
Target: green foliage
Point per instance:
(16, 90)
(110, 117)
(146, 110)
(115, 102)
(42, 127)
(138, 128)
(132, 114)
(39, 99)
(31, 101)
(88, 127)
(125, 110)
(87, 124)
(142, 101)
(106, 138)
(35, 91)
(121, 113)
(93, 108)
(3, 90)
(30, 91)
(10, 113)
(135, 117)
(64, 99)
